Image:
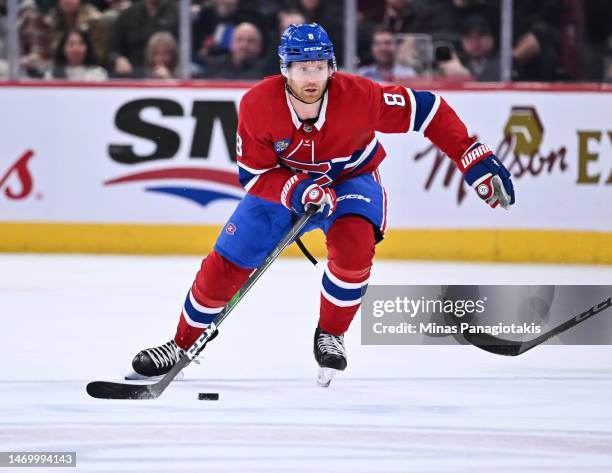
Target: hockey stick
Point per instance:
(109, 390)
(501, 346)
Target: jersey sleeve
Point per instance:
(259, 171)
(401, 110)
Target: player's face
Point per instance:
(308, 79)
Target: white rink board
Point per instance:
(69, 130)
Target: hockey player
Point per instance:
(307, 137)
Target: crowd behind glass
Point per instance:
(397, 40)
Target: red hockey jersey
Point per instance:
(273, 145)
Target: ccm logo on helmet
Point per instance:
(313, 48)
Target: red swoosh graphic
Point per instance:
(20, 169)
(216, 175)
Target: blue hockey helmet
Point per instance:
(305, 42)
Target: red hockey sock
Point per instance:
(214, 285)
(350, 248)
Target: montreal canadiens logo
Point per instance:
(483, 190)
(230, 228)
(199, 185)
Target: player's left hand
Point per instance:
(488, 176)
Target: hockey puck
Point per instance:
(208, 396)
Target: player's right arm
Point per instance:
(261, 174)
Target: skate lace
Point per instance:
(328, 343)
(166, 355)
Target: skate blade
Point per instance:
(325, 376)
(133, 376)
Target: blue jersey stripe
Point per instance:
(245, 176)
(424, 103)
(367, 160)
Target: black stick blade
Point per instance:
(495, 345)
(107, 390)
(504, 349)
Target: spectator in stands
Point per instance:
(244, 61)
(75, 14)
(109, 16)
(590, 34)
(479, 55)
(162, 56)
(444, 19)
(289, 17)
(34, 40)
(45, 6)
(284, 19)
(268, 8)
(608, 61)
(214, 26)
(75, 59)
(384, 52)
(132, 31)
(327, 14)
(317, 11)
(536, 51)
(114, 8)
(399, 16)
(448, 66)
(414, 52)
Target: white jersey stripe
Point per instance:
(296, 148)
(255, 171)
(294, 118)
(191, 322)
(319, 123)
(251, 183)
(343, 284)
(412, 109)
(338, 302)
(364, 155)
(202, 309)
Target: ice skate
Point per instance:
(330, 355)
(153, 363)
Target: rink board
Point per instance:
(151, 169)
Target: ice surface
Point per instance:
(67, 320)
